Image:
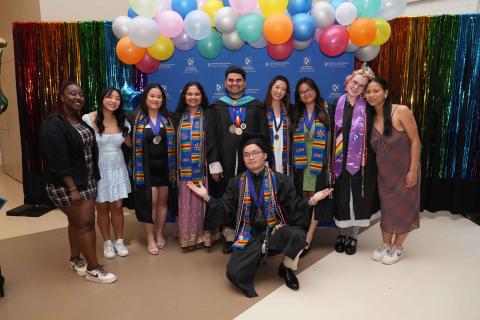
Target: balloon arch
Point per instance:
(153, 29)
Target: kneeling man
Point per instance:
(269, 216)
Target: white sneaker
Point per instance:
(380, 252)
(108, 250)
(100, 275)
(79, 265)
(120, 248)
(392, 256)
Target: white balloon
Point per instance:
(301, 45)
(324, 14)
(260, 43)
(390, 9)
(351, 47)
(314, 2)
(165, 5)
(120, 26)
(226, 20)
(232, 41)
(146, 8)
(367, 53)
(197, 24)
(346, 13)
(143, 31)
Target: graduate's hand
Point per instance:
(200, 190)
(320, 195)
(217, 176)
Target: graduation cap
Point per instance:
(260, 139)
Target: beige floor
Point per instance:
(437, 279)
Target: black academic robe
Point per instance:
(323, 211)
(346, 184)
(289, 239)
(222, 145)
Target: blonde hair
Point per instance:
(365, 72)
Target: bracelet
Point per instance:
(72, 189)
(310, 203)
(208, 198)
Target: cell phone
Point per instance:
(2, 202)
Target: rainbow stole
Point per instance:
(271, 209)
(318, 150)
(285, 125)
(137, 146)
(191, 146)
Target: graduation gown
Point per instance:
(222, 145)
(347, 184)
(288, 239)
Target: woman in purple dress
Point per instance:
(396, 143)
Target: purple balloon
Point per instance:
(183, 42)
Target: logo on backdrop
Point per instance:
(337, 64)
(277, 64)
(165, 88)
(335, 92)
(190, 68)
(307, 65)
(219, 91)
(248, 65)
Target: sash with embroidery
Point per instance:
(137, 145)
(190, 143)
(315, 165)
(286, 141)
(356, 153)
(270, 207)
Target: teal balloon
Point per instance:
(367, 8)
(211, 46)
(250, 27)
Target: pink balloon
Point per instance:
(170, 23)
(148, 64)
(280, 51)
(244, 6)
(318, 32)
(334, 40)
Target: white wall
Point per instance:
(54, 10)
(438, 7)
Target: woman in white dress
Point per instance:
(111, 131)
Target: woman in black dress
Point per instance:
(70, 150)
(153, 144)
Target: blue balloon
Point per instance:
(183, 7)
(226, 3)
(299, 6)
(336, 3)
(131, 13)
(303, 26)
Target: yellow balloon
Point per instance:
(383, 31)
(269, 7)
(162, 49)
(211, 7)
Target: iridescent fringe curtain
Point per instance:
(48, 54)
(433, 66)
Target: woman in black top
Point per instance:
(153, 144)
(71, 153)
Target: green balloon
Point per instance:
(367, 8)
(250, 27)
(211, 46)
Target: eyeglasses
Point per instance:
(356, 83)
(304, 93)
(253, 154)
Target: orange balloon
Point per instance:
(362, 32)
(278, 28)
(128, 52)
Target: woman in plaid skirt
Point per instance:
(397, 146)
(70, 150)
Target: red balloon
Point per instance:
(280, 51)
(334, 40)
(148, 64)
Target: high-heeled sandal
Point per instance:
(152, 250)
